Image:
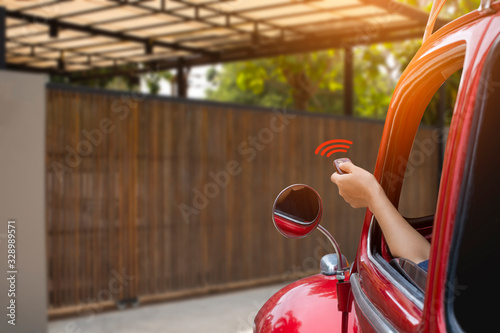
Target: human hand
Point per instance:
(357, 186)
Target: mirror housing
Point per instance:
(297, 212)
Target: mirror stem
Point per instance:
(340, 271)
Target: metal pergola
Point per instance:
(77, 38)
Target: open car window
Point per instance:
(418, 205)
(424, 165)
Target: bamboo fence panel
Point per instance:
(120, 167)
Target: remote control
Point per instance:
(337, 163)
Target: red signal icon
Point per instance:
(333, 146)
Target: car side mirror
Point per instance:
(297, 212)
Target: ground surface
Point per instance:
(231, 312)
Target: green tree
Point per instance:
(102, 78)
(153, 80)
(225, 86)
(376, 71)
(313, 81)
(303, 82)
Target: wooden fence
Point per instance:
(152, 198)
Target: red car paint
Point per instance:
(299, 306)
(310, 305)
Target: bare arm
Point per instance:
(360, 189)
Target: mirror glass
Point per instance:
(297, 211)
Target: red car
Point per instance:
(385, 294)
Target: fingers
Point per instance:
(334, 177)
(347, 167)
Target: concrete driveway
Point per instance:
(231, 312)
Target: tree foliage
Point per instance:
(303, 81)
(153, 79)
(102, 78)
(314, 81)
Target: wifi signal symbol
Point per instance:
(332, 146)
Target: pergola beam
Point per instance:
(44, 4)
(245, 20)
(236, 14)
(395, 7)
(287, 48)
(101, 32)
(69, 15)
(203, 20)
(198, 38)
(217, 34)
(53, 49)
(122, 34)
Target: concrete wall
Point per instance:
(22, 198)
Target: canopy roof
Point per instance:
(78, 36)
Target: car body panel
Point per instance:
(466, 40)
(308, 305)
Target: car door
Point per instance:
(385, 300)
(466, 279)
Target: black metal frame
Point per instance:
(177, 49)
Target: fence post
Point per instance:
(3, 34)
(181, 79)
(348, 81)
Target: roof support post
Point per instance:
(440, 124)
(3, 39)
(181, 79)
(348, 81)
(53, 29)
